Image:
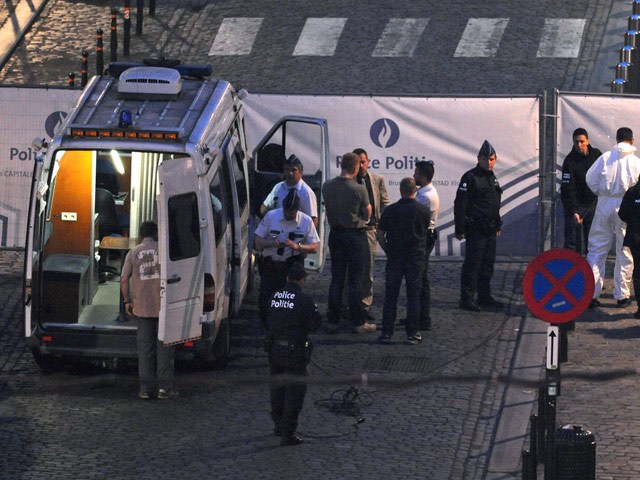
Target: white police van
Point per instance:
(150, 142)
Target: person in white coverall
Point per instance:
(609, 178)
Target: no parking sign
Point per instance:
(558, 285)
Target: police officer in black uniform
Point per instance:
(291, 316)
(477, 219)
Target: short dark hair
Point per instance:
(425, 168)
(360, 151)
(407, 187)
(149, 229)
(624, 134)
(580, 131)
(349, 162)
(296, 272)
(293, 161)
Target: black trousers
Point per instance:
(477, 269)
(576, 236)
(287, 393)
(424, 320)
(635, 253)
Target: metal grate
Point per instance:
(404, 364)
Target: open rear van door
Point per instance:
(181, 250)
(308, 139)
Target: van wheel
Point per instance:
(220, 350)
(48, 363)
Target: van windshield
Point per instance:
(88, 220)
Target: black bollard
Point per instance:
(126, 42)
(528, 466)
(635, 7)
(72, 80)
(139, 15)
(549, 444)
(113, 39)
(84, 68)
(634, 22)
(533, 444)
(99, 52)
(152, 8)
(542, 408)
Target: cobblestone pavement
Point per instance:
(187, 29)
(431, 410)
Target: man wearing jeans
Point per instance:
(140, 287)
(348, 211)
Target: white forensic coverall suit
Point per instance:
(609, 178)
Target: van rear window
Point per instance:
(184, 229)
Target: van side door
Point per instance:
(181, 250)
(236, 161)
(308, 139)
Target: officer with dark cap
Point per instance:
(477, 219)
(285, 236)
(292, 316)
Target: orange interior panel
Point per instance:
(73, 193)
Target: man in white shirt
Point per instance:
(611, 175)
(293, 171)
(428, 196)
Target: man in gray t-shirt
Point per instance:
(348, 211)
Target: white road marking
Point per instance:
(481, 37)
(320, 37)
(235, 36)
(400, 37)
(561, 38)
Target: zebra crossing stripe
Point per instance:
(400, 37)
(481, 37)
(561, 38)
(320, 37)
(235, 36)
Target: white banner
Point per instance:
(398, 131)
(395, 131)
(27, 113)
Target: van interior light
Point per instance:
(117, 162)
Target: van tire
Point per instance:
(220, 350)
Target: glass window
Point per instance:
(218, 205)
(184, 227)
(237, 163)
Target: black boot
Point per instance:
(291, 439)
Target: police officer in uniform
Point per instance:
(477, 219)
(286, 236)
(291, 316)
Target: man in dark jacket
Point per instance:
(476, 211)
(630, 213)
(578, 200)
(292, 315)
(405, 225)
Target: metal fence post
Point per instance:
(113, 39)
(99, 52)
(127, 28)
(84, 68)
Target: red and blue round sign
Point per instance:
(558, 285)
